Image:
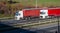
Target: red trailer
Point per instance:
(54, 12)
(31, 13)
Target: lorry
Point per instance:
(37, 13)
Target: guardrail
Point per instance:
(34, 24)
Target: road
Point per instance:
(25, 21)
(33, 29)
(48, 28)
(21, 23)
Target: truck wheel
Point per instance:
(29, 18)
(26, 18)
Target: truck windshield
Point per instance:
(16, 14)
(42, 12)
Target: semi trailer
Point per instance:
(37, 13)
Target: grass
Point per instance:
(40, 2)
(6, 16)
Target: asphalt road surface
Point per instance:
(47, 28)
(20, 30)
(25, 21)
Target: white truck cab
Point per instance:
(18, 15)
(44, 13)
